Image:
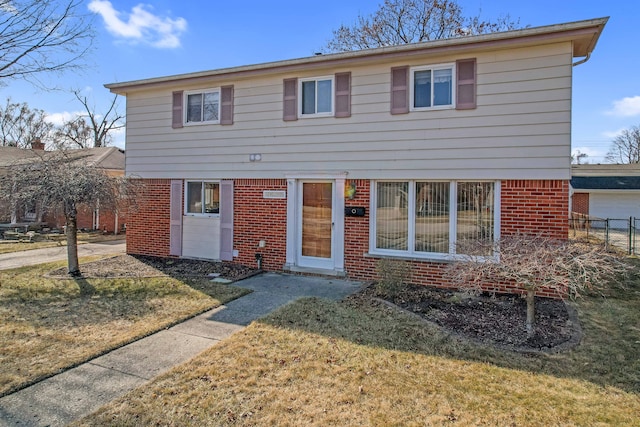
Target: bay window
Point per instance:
(434, 219)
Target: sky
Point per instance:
(139, 40)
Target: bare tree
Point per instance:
(565, 268)
(74, 133)
(65, 179)
(399, 22)
(91, 129)
(41, 36)
(625, 148)
(20, 125)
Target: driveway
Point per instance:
(58, 253)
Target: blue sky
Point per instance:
(137, 40)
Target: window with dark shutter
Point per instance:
(176, 118)
(290, 100)
(226, 105)
(466, 84)
(343, 95)
(399, 90)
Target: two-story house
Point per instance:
(329, 163)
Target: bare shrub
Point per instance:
(566, 268)
(393, 274)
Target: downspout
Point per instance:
(582, 61)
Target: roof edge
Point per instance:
(572, 30)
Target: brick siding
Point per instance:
(535, 207)
(148, 221)
(580, 203)
(256, 218)
(527, 206)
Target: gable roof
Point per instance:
(605, 177)
(109, 158)
(583, 34)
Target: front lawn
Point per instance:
(316, 362)
(48, 324)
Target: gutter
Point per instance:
(582, 61)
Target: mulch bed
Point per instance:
(145, 266)
(492, 319)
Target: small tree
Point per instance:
(564, 267)
(64, 179)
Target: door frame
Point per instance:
(309, 261)
(294, 226)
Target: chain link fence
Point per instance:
(620, 233)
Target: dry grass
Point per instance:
(49, 324)
(7, 246)
(316, 362)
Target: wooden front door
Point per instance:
(316, 219)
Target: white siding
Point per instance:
(520, 129)
(201, 237)
(614, 204)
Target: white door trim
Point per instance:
(294, 200)
(309, 261)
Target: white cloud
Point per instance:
(626, 107)
(140, 26)
(57, 119)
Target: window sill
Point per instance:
(189, 124)
(315, 116)
(437, 108)
(409, 258)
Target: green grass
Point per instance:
(316, 362)
(48, 324)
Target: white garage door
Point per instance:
(614, 205)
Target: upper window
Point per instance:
(434, 219)
(432, 87)
(202, 106)
(316, 97)
(203, 197)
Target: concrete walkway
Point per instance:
(80, 391)
(58, 253)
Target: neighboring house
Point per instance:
(109, 159)
(606, 190)
(329, 163)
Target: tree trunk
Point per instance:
(71, 215)
(531, 312)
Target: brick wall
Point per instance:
(256, 218)
(356, 235)
(148, 221)
(580, 203)
(536, 207)
(533, 207)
